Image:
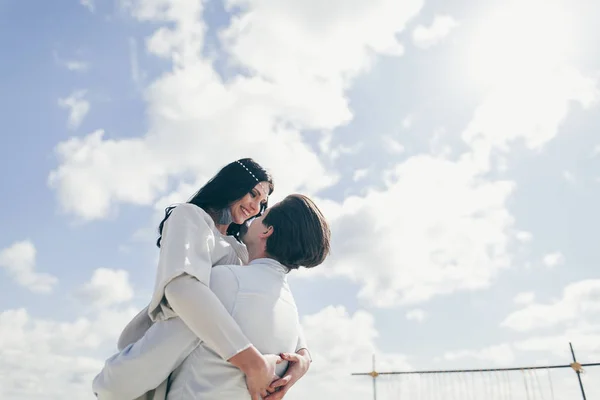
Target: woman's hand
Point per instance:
(259, 370)
(297, 368)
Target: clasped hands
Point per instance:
(276, 388)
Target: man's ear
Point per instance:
(268, 231)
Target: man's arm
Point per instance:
(298, 366)
(225, 285)
(145, 364)
(302, 344)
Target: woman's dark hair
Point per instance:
(231, 183)
(301, 235)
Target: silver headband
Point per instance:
(254, 176)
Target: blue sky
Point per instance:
(454, 148)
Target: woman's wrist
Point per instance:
(249, 360)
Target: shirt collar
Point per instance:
(270, 262)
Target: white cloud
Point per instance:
(94, 171)
(289, 41)
(391, 145)
(107, 287)
(524, 236)
(501, 355)
(78, 107)
(19, 262)
(416, 315)
(89, 4)
(568, 176)
(524, 298)
(407, 122)
(296, 81)
(553, 259)
(360, 174)
(579, 299)
(585, 339)
(436, 228)
(74, 65)
(71, 64)
(457, 223)
(425, 37)
(342, 344)
(51, 360)
(136, 73)
(530, 110)
(334, 153)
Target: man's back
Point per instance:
(259, 299)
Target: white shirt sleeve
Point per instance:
(145, 364)
(187, 244)
(302, 345)
(135, 329)
(183, 279)
(301, 339)
(206, 314)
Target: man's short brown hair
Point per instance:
(301, 235)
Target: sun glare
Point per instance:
(518, 41)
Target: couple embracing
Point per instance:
(222, 322)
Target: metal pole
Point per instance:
(577, 367)
(454, 371)
(374, 375)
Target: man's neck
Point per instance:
(255, 254)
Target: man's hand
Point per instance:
(298, 366)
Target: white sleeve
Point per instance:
(301, 339)
(203, 312)
(187, 244)
(302, 345)
(145, 364)
(135, 329)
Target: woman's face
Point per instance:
(249, 205)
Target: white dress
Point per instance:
(191, 244)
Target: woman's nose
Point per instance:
(254, 206)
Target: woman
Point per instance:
(193, 237)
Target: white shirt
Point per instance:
(259, 299)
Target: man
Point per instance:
(290, 234)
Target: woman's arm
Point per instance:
(135, 329)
